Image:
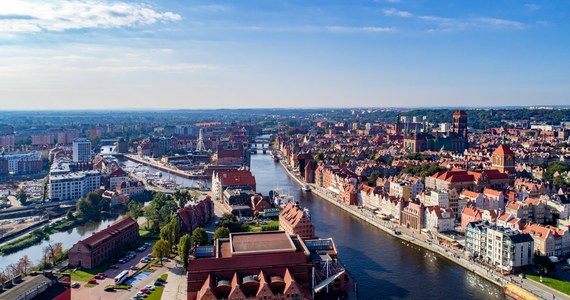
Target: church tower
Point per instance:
(503, 159)
(459, 125)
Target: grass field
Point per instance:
(85, 275)
(156, 294)
(258, 228)
(559, 285)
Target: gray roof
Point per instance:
(28, 283)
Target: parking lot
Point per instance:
(98, 290)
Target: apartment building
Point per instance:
(503, 248)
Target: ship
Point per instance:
(280, 199)
(306, 188)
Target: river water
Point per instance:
(383, 266)
(67, 238)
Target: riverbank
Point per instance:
(402, 234)
(410, 238)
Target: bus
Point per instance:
(121, 277)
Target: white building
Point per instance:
(499, 247)
(439, 219)
(81, 150)
(73, 185)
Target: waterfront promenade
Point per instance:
(411, 237)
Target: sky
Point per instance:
(169, 54)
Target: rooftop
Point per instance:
(261, 242)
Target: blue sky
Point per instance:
(64, 54)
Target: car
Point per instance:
(99, 277)
(158, 283)
(161, 279)
(150, 287)
(141, 295)
(134, 268)
(92, 281)
(149, 256)
(109, 288)
(114, 267)
(75, 285)
(121, 261)
(148, 244)
(145, 290)
(135, 297)
(102, 275)
(140, 249)
(165, 259)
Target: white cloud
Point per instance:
(351, 29)
(17, 16)
(444, 24)
(532, 6)
(398, 13)
(500, 23)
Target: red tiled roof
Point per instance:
(237, 178)
(503, 150)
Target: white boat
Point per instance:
(306, 188)
(279, 198)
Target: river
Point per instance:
(383, 266)
(67, 238)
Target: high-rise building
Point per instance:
(81, 150)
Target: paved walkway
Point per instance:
(175, 288)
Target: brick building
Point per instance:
(100, 246)
(294, 220)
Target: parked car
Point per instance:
(75, 285)
(92, 281)
(102, 275)
(134, 268)
(114, 267)
(150, 287)
(158, 283)
(141, 294)
(99, 277)
(109, 288)
(149, 256)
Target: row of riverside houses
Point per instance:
(481, 188)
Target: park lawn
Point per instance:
(259, 228)
(164, 277)
(156, 294)
(90, 285)
(85, 275)
(559, 285)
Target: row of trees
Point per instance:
(163, 247)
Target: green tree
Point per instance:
(373, 177)
(200, 237)
(174, 230)
(22, 196)
(161, 249)
(91, 205)
(159, 212)
(135, 209)
(222, 232)
(165, 233)
(184, 249)
(69, 216)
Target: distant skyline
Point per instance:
(167, 54)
